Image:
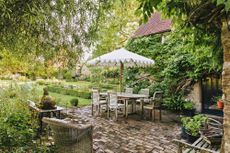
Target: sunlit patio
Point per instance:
(131, 134)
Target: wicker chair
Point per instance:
(155, 104)
(113, 105)
(71, 135)
(96, 102)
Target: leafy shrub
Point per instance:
(111, 73)
(188, 105)
(68, 76)
(41, 81)
(74, 102)
(194, 124)
(22, 78)
(176, 102)
(72, 92)
(17, 127)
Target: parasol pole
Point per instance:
(121, 76)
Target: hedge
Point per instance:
(71, 92)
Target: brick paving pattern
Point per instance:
(130, 135)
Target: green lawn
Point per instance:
(80, 84)
(64, 100)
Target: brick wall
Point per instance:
(225, 38)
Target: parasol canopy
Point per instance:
(121, 58)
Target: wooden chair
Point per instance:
(155, 104)
(130, 102)
(129, 90)
(96, 102)
(145, 100)
(200, 145)
(207, 143)
(113, 104)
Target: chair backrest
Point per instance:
(158, 95)
(112, 99)
(144, 91)
(157, 98)
(129, 90)
(95, 97)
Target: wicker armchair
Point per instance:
(71, 135)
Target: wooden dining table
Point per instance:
(126, 97)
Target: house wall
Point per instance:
(196, 96)
(225, 38)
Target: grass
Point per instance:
(80, 84)
(64, 100)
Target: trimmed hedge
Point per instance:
(71, 92)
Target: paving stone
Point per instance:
(130, 135)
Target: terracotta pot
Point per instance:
(220, 104)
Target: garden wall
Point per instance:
(196, 96)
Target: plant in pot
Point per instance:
(74, 103)
(184, 121)
(192, 126)
(47, 102)
(188, 109)
(219, 102)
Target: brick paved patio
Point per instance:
(131, 135)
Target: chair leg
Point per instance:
(160, 114)
(99, 109)
(154, 115)
(108, 113)
(151, 115)
(116, 114)
(92, 109)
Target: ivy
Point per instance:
(180, 61)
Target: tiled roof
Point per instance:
(154, 26)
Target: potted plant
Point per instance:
(192, 126)
(47, 102)
(188, 109)
(220, 104)
(74, 103)
(184, 121)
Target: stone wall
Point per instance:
(196, 96)
(225, 38)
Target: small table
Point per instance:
(41, 112)
(127, 96)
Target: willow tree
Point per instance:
(211, 16)
(46, 27)
(116, 26)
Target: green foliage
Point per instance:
(116, 26)
(47, 102)
(194, 124)
(72, 92)
(175, 102)
(50, 25)
(188, 105)
(111, 73)
(178, 61)
(17, 127)
(68, 76)
(74, 102)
